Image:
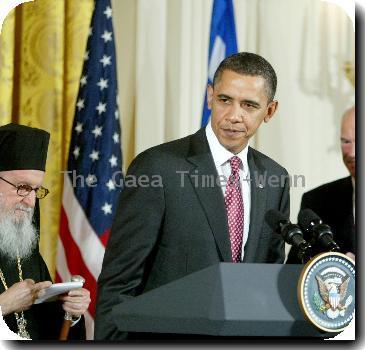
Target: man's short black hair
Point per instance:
(247, 63)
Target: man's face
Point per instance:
(239, 104)
(14, 205)
(348, 141)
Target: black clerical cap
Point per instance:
(23, 148)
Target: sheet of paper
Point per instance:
(57, 289)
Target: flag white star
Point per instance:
(78, 128)
(90, 31)
(113, 161)
(101, 107)
(94, 155)
(106, 60)
(90, 180)
(107, 208)
(83, 80)
(86, 56)
(108, 12)
(76, 152)
(97, 131)
(116, 114)
(80, 104)
(107, 36)
(103, 84)
(116, 137)
(111, 185)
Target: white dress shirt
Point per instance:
(221, 157)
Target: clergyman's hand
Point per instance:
(76, 302)
(21, 295)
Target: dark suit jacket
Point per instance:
(163, 233)
(332, 202)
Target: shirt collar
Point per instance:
(220, 154)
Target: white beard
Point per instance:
(18, 237)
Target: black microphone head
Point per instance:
(274, 218)
(306, 217)
(320, 232)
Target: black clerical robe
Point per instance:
(44, 320)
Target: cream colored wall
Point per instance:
(124, 21)
(162, 48)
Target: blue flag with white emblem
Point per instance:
(222, 44)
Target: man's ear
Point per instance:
(271, 109)
(209, 96)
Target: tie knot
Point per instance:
(235, 164)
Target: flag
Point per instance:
(93, 179)
(222, 44)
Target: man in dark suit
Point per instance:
(188, 217)
(334, 202)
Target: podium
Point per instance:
(231, 300)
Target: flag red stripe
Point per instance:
(75, 262)
(58, 278)
(104, 237)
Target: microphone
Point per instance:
(291, 233)
(320, 232)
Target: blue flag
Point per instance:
(222, 42)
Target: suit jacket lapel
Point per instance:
(258, 205)
(211, 198)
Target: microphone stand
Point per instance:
(304, 252)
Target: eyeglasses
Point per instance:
(25, 190)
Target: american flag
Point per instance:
(93, 180)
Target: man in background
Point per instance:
(334, 202)
(23, 273)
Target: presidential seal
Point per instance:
(326, 291)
